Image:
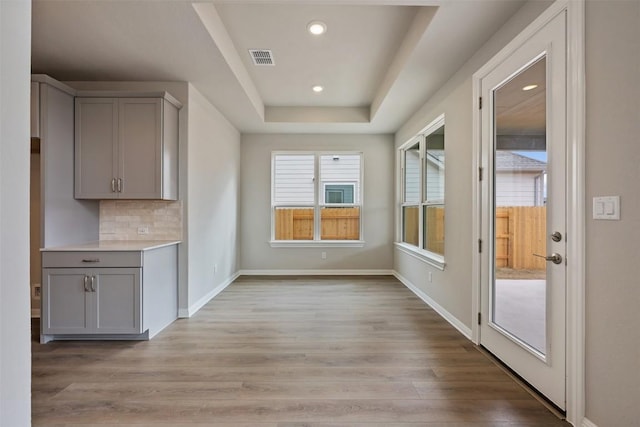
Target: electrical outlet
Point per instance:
(323, 255)
(143, 230)
(36, 291)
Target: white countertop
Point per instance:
(115, 245)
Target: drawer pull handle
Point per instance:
(93, 286)
(91, 260)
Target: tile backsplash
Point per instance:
(125, 219)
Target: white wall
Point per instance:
(451, 288)
(612, 255)
(377, 214)
(15, 350)
(213, 197)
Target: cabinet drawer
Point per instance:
(62, 259)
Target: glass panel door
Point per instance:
(523, 218)
(518, 294)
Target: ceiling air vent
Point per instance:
(261, 57)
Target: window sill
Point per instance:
(316, 243)
(422, 255)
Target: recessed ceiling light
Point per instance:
(529, 87)
(317, 27)
(317, 88)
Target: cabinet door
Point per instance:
(118, 300)
(140, 148)
(96, 148)
(66, 302)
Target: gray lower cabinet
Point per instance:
(129, 294)
(92, 301)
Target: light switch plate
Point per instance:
(606, 207)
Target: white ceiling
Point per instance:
(521, 112)
(379, 61)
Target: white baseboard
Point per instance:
(193, 308)
(587, 423)
(464, 330)
(35, 313)
(328, 272)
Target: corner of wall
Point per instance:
(210, 170)
(446, 315)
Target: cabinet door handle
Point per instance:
(86, 278)
(93, 286)
(119, 185)
(113, 185)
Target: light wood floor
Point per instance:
(282, 352)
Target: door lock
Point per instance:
(554, 258)
(556, 236)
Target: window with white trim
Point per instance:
(306, 209)
(422, 179)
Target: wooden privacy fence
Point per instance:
(520, 233)
(335, 224)
(434, 225)
(435, 229)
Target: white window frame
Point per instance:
(419, 252)
(318, 204)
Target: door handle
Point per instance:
(113, 185)
(86, 278)
(554, 258)
(93, 286)
(119, 185)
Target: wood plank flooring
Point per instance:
(283, 352)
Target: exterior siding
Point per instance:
(294, 176)
(293, 179)
(516, 189)
(435, 176)
(344, 170)
(412, 176)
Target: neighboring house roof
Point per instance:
(510, 161)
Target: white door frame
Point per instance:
(575, 255)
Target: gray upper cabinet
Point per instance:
(96, 148)
(126, 148)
